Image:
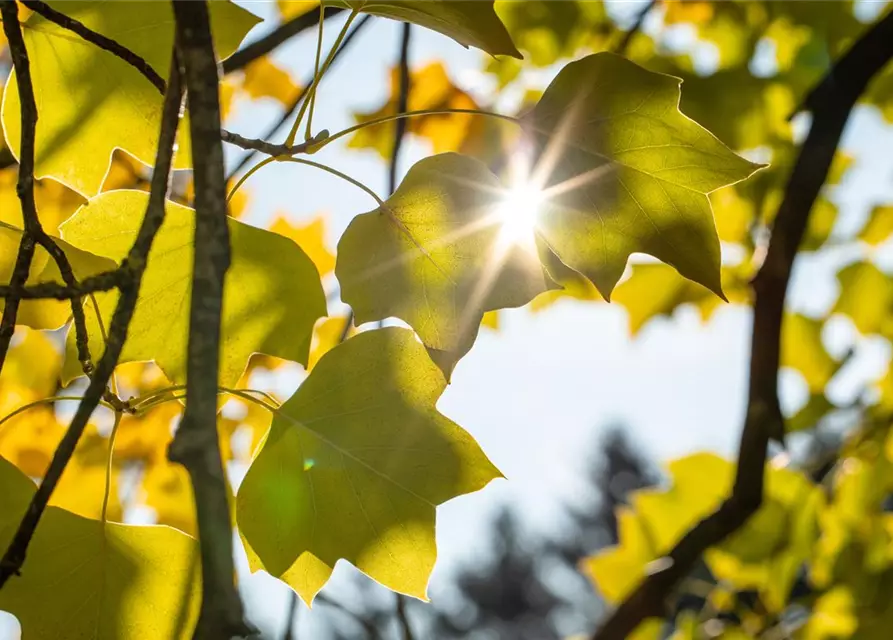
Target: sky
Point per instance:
(537, 393)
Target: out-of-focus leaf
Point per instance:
(866, 296)
(311, 237)
(879, 226)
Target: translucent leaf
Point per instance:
(275, 293)
(90, 102)
(264, 79)
(86, 579)
(629, 172)
(45, 314)
(353, 467)
(437, 256)
(473, 24)
(802, 349)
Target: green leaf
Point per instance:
(86, 579)
(472, 24)
(435, 256)
(353, 467)
(274, 295)
(91, 102)
(45, 314)
(629, 172)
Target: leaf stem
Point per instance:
(322, 8)
(108, 468)
(37, 403)
(318, 77)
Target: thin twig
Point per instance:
(135, 265)
(25, 181)
(764, 419)
(291, 617)
(286, 116)
(403, 618)
(285, 31)
(101, 41)
(402, 105)
(623, 45)
(195, 444)
(104, 281)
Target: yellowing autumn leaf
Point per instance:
(353, 467)
(436, 256)
(879, 226)
(86, 579)
(54, 201)
(866, 296)
(45, 314)
(473, 24)
(311, 237)
(263, 78)
(628, 172)
(90, 102)
(277, 295)
(430, 89)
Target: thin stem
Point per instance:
(413, 114)
(37, 403)
(316, 78)
(108, 468)
(260, 165)
(308, 132)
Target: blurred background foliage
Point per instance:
(817, 560)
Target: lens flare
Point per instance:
(518, 213)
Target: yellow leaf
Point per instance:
(431, 88)
(87, 579)
(361, 453)
(263, 78)
(91, 102)
(326, 337)
(879, 226)
(280, 295)
(311, 238)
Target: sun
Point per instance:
(518, 213)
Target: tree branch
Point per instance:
(623, 45)
(764, 419)
(286, 116)
(195, 444)
(134, 265)
(402, 105)
(25, 181)
(104, 281)
(261, 47)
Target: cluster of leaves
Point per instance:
(353, 465)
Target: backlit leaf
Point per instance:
(630, 174)
(866, 296)
(436, 256)
(353, 467)
(278, 299)
(89, 101)
(311, 237)
(45, 314)
(473, 24)
(879, 226)
(86, 579)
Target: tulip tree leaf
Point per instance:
(274, 292)
(45, 314)
(353, 467)
(435, 256)
(630, 172)
(472, 24)
(90, 102)
(86, 579)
